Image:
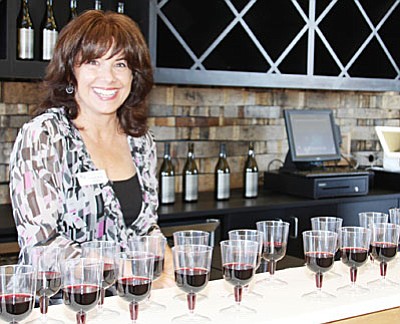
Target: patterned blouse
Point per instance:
(49, 204)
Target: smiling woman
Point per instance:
(89, 136)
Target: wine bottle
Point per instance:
(190, 175)
(73, 13)
(121, 7)
(222, 176)
(167, 178)
(97, 5)
(250, 174)
(25, 33)
(49, 32)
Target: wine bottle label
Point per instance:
(251, 184)
(25, 43)
(49, 41)
(223, 185)
(192, 184)
(168, 190)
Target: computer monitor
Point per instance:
(313, 137)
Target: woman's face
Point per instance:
(103, 84)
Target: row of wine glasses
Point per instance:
(375, 237)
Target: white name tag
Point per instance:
(92, 177)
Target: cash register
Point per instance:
(314, 140)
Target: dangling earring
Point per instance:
(70, 89)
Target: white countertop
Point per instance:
(283, 305)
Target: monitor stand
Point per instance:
(290, 166)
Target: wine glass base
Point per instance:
(191, 318)
(319, 295)
(353, 290)
(183, 297)
(272, 282)
(48, 320)
(238, 311)
(383, 284)
(105, 312)
(152, 306)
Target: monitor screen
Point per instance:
(312, 135)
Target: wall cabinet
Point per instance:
(315, 44)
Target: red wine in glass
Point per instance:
(319, 262)
(191, 280)
(81, 297)
(134, 289)
(383, 251)
(15, 307)
(108, 275)
(354, 257)
(238, 273)
(48, 283)
(273, 251)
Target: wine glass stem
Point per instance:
(134, 310)
(101, 300)
(81, 317)
(191, 299)
(318, 280)
(44, 306)
(271, 267)
(238, 294)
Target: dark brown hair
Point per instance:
(90, 36)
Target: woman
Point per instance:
(85, 167)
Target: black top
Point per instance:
(126, 190)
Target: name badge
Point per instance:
(92, 177)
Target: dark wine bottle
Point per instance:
(73, 13)
(190, 175)
(167, 178)
(222, 176)
(25, 35)
(97, 5)
(49, 32)
(121, 7)
(250, 174)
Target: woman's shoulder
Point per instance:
(52, 122)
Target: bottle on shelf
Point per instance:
(97, 5)
(167, 178)
(190, 176)
(250, 174)
(49, 32)
(121, 7)
(73, 13)
(222, 176)
(25, 37)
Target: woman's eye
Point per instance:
(121, 64)
(92, 62)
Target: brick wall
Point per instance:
(235, 116)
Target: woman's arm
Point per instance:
(36, 186)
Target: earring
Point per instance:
(70, 89)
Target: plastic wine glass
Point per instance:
(48, 262)
(107, 252)
(275, 236)
(156, 245)
(384, 243)
(239, 261)
(354, 245)
(191, 237)
(82, 283)
(319, 253)
(192, 264)
(367, 218)
(17, 292)
(135, 273)
(252, 235)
